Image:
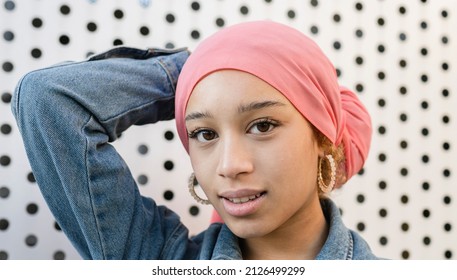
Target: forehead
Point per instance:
(232, 87)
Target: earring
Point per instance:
(192, 183)
(320, 180)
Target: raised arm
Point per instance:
(67, 115)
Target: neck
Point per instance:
(296, 239)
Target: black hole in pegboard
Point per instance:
(338, 72)
(402, 10)
(8, 36)
(268, 1)
(444, 13)
(426, 186)
(291, 14)
(383, 240)
(220, 22)
(447, 227)
(57, 226)
(65, 10)
(425, 131)
(195, 6)
(64, 39)
(358, 6)
(359, 33)
(170, 18)
(195, 34)
(336, 45)
(244, 10)
(402, 63)
(426, 213)
(360, 198)
(382, 185)
(9, 5)
(423, 51)
(404, 171)
(445, 92)
(446, 173)
(444, 40)
(119, 14)
(37, 22)
(404, 199)
(359, 88)
(31, 240)
(4, 192)
(382, 130)
(36, 53)
(382, 213)
(403, 117)
(423, 25)
(447, 200)
(5, 129)
(359, 60)
(3, 255)
(402, 36)
(59, 255)
(143, 149)
(194, 210)
(169, 45)
(336, 18)
(4, 224)
(360, 226)
(425, 158)
(381, 48)
(168, 165)
(405, 254)
(445, 66)
(169, 135)
(381, 102)
(31, 177)
(32, 208)
(426, 240)
(404, 227)
(403, 90)
(91, 26)
(446, 146)
(142, 179)
(117, 42)
(424, 105)
(403, 144)
(168, 195)
(314, 29)
(7, 66)
(6, 97)
(381, 21)
(382, 157)
(5, 160)
(314, 3)
(448, 254)
(144, 30)
(361, 172)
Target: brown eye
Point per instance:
(263, 126)
(206, 135)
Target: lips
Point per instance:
(243, 202)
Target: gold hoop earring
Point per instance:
(192, 183)
(320, 180)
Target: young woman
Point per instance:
(260, 112)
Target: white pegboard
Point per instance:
(399, 56)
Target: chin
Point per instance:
(247, 229)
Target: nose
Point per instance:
(235, 158)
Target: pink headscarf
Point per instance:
(294, 65)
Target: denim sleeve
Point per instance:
(67, 115)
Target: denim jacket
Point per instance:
(69, 113)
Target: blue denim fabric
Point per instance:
(69, 113)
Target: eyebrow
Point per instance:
(241, 109)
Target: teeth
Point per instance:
(238, 200)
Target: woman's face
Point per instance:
(253, 153)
